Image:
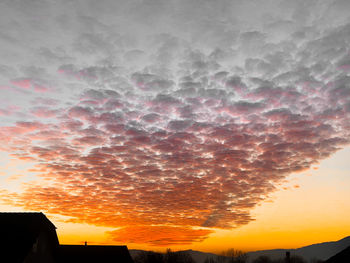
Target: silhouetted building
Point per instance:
(93, 254)
(27, 238)
(287, 257)
(32, 238)
(342, 257)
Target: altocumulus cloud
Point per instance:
(169, 119)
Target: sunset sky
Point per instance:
(183, 124)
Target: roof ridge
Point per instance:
(26, 212)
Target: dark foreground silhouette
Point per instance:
(87, 253)
(311, 253)
(229, 256)
(168, 257)
(341, 257)
(32, 238)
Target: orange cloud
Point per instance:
(159, 235)
(161, 155)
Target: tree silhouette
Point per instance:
(296, 259)
(229, 256)
(149, 257)
(292, 259)
(263, 259)
(177, 257)
(168, 257)
(210, 260)
(235, 256)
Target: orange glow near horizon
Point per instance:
(182, 125)
(317, 211)
(301, 212)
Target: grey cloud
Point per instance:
(178, 107)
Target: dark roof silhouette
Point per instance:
(87, 254)
(342, 257)
(19, 232)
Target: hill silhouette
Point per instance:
(342, 257)
(322, 251)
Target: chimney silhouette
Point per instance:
(85, 243)
(287, 257)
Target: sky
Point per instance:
(178, 124)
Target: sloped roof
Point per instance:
(342, 257)
(87, 254)
(19, 231)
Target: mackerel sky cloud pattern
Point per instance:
(174, 118)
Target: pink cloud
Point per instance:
(38, 86)
(43, 112)
(22, 83)
(166, 157)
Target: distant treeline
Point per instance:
(168, 257)
(292, 259)
(237, 256)
(229, 256)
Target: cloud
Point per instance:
(167, 137)
(160, 235)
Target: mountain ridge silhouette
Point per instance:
(322, 251)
